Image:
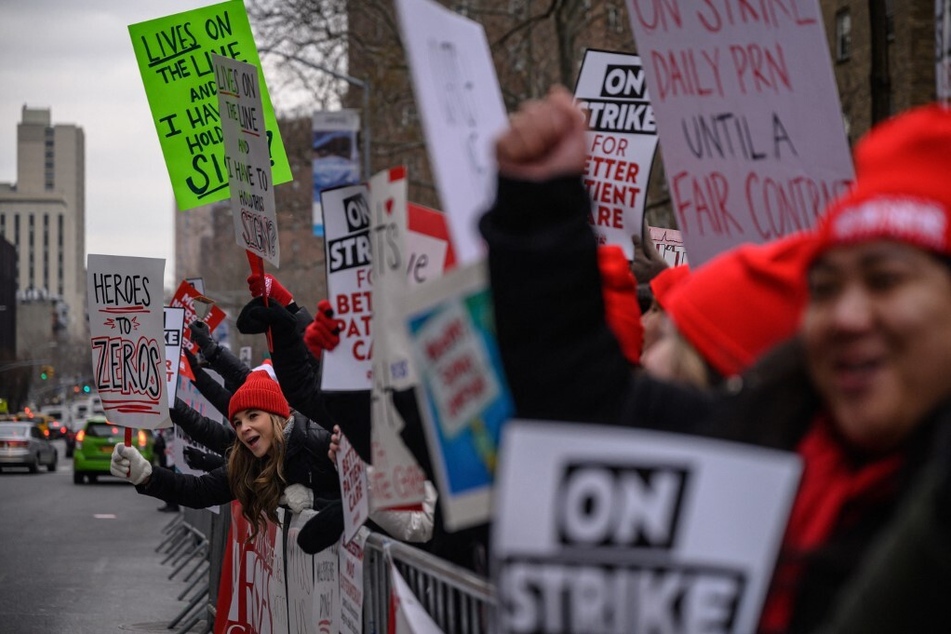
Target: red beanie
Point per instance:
(902, 185)
(663, 282)
(621, 309)
(742, 302)
(259, 391)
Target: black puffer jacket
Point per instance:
(306, 462)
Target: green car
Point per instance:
(94, 444)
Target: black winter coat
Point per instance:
(306, 462)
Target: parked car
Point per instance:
(23, 444)
(94, 444)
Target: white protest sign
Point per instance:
(301, 587)
(174, 327)
(669, 244)
(127, 333)
(942, 22)
(749, 118)
(352, 472)
(610, 529)
(430, 247)
(463, 399)
(247, 158)
(351, 583)
(327, 579)
(349, 287)
(408, 614)
(461, 110)
(622, 137)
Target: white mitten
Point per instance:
(298, 497)
(128, 463)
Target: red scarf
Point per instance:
(830, 480)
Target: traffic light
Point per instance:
(46, 372)
(86, 389)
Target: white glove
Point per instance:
(128, 463)
(298, 497)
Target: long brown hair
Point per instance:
(258, 482)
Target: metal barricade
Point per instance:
(459, 601)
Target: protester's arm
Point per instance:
(230, 367)
(165, 484)
(201, 429)
(216, 394)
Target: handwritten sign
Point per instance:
(126, 326)
(246, 158)
(461, 110)
(301, 587)
(464, 400)
(621, 137)
(174, 56)
(430, 247)
(748, 115)
(349, 286)
(351, 583)
(609, 529)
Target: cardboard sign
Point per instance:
(174, 56)
(463, 399)
(461, 110)
(748, 115)
(669, 244)
(174, 319)
(622, 137)
(196, 306)
(127, 333)
(610, 529)
(351, 583)
(430, 247)
(353, 484)
(313, 587)
(349, 287)
(336, 158)
(254, 598)
(247, 159)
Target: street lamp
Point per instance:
(364, 85)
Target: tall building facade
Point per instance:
(43, 215)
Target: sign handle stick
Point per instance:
(128, 436)
(257, 266)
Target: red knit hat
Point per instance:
(619, 289)
(259, 391)
(663, 282)
(742, 302)
(903, 185)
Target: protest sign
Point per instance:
(463, 399)
(429, 245)
(351, 583)
(253, 598)
(196, 306)
(127, 333)
(669, 244)
(621, 138)
(174, 56)
(336, 159)
(246, 158)
(609, 529)
(353, 485)
(942, 21)
(461, 110)
(748, 115)
(313, 584)
(407, 614)
(174, 319)
(189, 394)
(349, 287)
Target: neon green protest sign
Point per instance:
(174, 56)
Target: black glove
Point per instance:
(193, 362)
(202, 460)
(324, 529)
(256, 318)
(201, 335)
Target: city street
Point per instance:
(82, 559)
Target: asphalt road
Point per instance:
(81, 559)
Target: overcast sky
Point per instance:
(75, 57)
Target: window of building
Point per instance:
(3, 225)
(59, 255)
(16, 231)
(46, 251)
(843, 35)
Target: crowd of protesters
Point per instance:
(833, 343)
